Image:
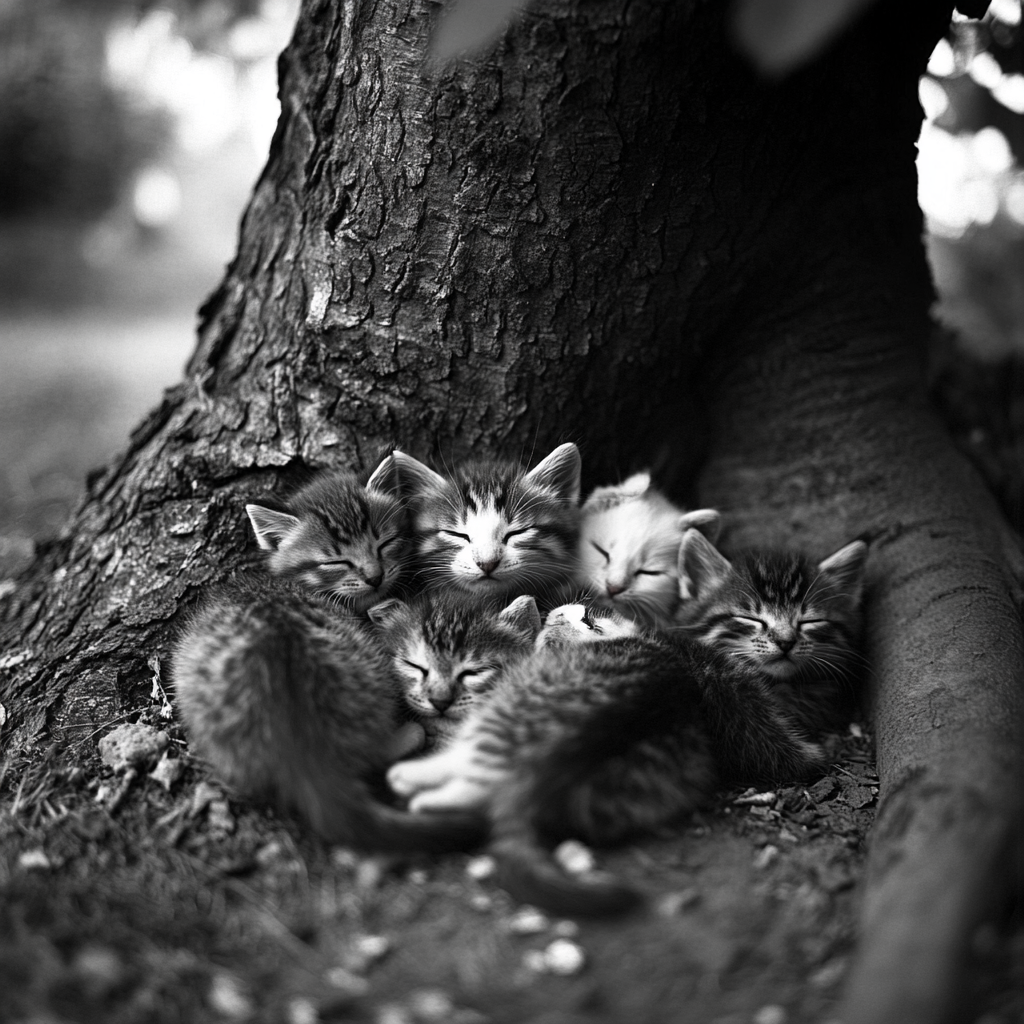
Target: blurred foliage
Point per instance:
(68, 139)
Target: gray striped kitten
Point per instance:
(794, 622)
(293, 703)
(599, 736)
(448, 654)
(339, 538)
(493, 530)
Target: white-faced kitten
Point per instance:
(448, 653)
(494, 530)
(629, 548)
(338, 538)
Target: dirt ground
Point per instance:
(148, 894)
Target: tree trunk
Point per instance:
(607, 230)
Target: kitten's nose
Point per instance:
(488, 567)
(613, 589)
(374, 580)
(442, 704)
(785, 639)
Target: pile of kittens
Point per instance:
(431, 662)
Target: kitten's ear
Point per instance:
(522, 614)
(384, 479)
(602, 498)
(414, 474)
(707, 520)
(387, 613)
(702, 567)
(270, 526)
(560, 472)
(846, 568)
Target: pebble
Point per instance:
(393, 1013)
(480, 868)
(34, 860)
(167, 771)
(227, 997)
(431, 1004)
(302, 1011)
(418, 876)
(771, 1014)
(346, 981)
(767, 856)
(574, 857)
(219, 816)
(528, 921)
(131, 745)
(564, 957)
(567, 929)
(365, 951)
(481, 901)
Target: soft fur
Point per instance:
(448, 654)
(339, 538)
(795, 621)
(494, 530)
(629, 547)
(290, 701)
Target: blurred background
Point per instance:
(132, 132)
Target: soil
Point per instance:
(146, 893)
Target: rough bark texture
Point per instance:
(607, 230)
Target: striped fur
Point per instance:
(339, 538)
(494, 530)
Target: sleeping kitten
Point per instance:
(338, 538)
(493, 530)
(293, 703)
(448, 653)
(795, 622)
(604, 733)
(599, 735)
(629, 548)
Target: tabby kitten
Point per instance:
(629, 548)
(448, 653)
(338, 538)
(293, 703)
(779, 614)
(493, 530)
(599, 735)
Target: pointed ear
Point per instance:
(270, 526)
(387, 613)
(414, 475)
(522, 614)
(702, 567)
(560, 472)
(846, 568)
(384, 479)
(707, 520)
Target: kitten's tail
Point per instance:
(531, 875)
(529, 871)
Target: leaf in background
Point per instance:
(780, 35)
(467, 26)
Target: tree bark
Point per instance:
(606, 230)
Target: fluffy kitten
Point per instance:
(629, 548)
(291, 702)
(494, 530)
(448, 653)
(795, 622)
(599, 735)
(338, 538)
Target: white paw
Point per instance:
(455, 795)
(409, 777)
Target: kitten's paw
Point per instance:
(409, 777)
(456, 795)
